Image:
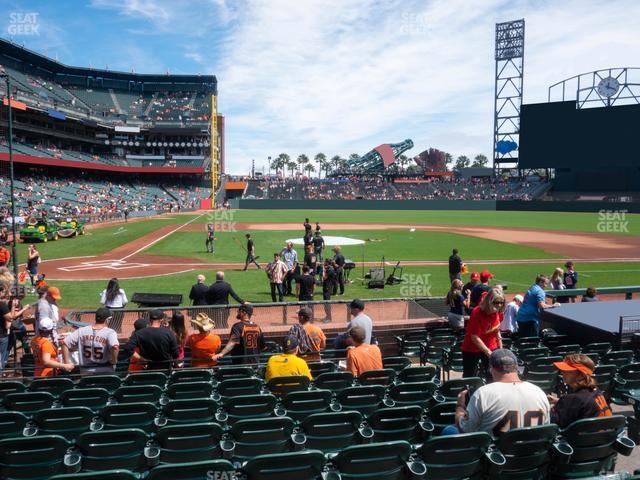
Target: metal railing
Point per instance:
(629, 325)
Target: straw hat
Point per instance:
(202, 322)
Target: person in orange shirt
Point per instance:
(363, 356)
(311, 338)
(46, 353)
(203, 344)
(5, 256)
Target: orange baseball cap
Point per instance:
(55, 293)
(573, 367)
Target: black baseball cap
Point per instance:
(305, 312)
(357, 303)
(102, 314)
(504, 360)
(248, 309)
(289, 343)
(156, 314)
(140, 324)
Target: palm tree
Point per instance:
(284, 162)
(335, 162)
(448, 160)
(402, 161)
(302, 161)
(309, 168)
(278, 163)
(292, 166)
(320, 159)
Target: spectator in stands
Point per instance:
(534, 302)
(33, 261)
(276, 272)
(135, 364)
(456, 303)
(509, 326)
(97, 345)
(5, 255)
(591, 295)
(204, 345)
(468, 288)
(45, 351)
(113, 297)
(570, 278)
(48, 308)
(311, 338)
(505, 404)
(479, 290)
(287, 363)
(307, 283)
(157, 346)
(218, 294)
(246, 339)
(455, 266)
(290, 258)
(482, 335)
(339, 261)
(557, 283)
(199, 291)
(179, 329)
(584, 400)
(360, 319)
(362, 357)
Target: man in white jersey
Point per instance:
(97, 345)
(505, 404)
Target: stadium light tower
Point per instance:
(508, 94)
(11, 179)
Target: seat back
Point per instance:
(299, 405)
(108, 382)
(384, 377)
(619, 358)
(28, 402)
(425, 373)
(331, 432)
(593, 438)
(318, 368)
(280, 386)
(249, 406)
(138, 393)
(374, 461)
(364, 399)
(290, 466)
(600, 348)
(397, 423)
(110, 449)
(11, 386)
(189, 443)
(416, 393)
(192, 470)
(202, 410)
(106, 475)
(191, 375)
(129, 415)
(185, 390)
(33, 457)
(240, 386)
(261, 436)
(334, 381)
(527, 449)
(451, 388)
(442, 414)
(396, 363)
(455, 456)
(93, 398)
(53, 385)
(67, 422)
(12, 424)
(146, 378)
(543, 364)
(229, 373)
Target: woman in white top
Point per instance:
(113, 296)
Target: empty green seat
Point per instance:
(306, 465)
(53, 385)
(627, 379)
(451, 388)
(442, 414)
(32, 457)
(384, 377)
(108, 382)
(138, 393)
(28, 402)
(129, 415)
(422, 394)
(228, 373)
(317, 368)
(12, 424)
(189, 443)
(546, 381)
(93, 398)
(374, 461)
(186, 390)
(113, 449)
(280, 386)
(618, 358)
(396, 363)
(261, 436)
(543, 364)
(364, 399)
(600, 348)
(11, 386)
(399, 423)
(146, 378)
(248, 406)
(299, 405)
(201, 410)
(333, 381)
(240, 386)
(106, 475)
(330, 432)
(67, 422)
(210, 469)
(425, 373)
(603, 376)
(191, 375)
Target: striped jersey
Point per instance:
(94, 345)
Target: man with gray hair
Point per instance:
(503, 405)
(198, 294)
(218, 294)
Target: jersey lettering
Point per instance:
(511, 420)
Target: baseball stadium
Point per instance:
(123, 231)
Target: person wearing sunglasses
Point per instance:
(482, 335)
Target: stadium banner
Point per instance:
(15, 104)
(122, 128)
(56, 114)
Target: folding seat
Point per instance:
(389, 461)
(191, 375)
(331, 432)
(422, 394)
(409, 343)
(543, 364)
(526, 355)
(106, 475)
(334, 381)
(306, 465)
(399, 423)
(240, 386)
(462, 456)
(364, 399)
(601, 348)
(146, 378)
(28, 402)
(547, 381)
(93, 398)
(451, 388)
(626, 379)
(384, 377)
(441, 415)
(12, 424)
(53, 385)
(525, 342)
(186, 390)
(619, 358)
(603, 376)
(67, 422)
(595, 443)
(179, 412)
(551, 341)
(299, 405)
(33, 457)
(138, 393)
(114, 449)
(226, 373)
(259, 436)
(396, 363)
(317, 368)
(426, 373)
(529, 450)
(633, 398)
(243, 407)
(280, 386)
(453, 362)
(446, 341)
(433, 355)
(109, 382)
(129, 415)
(564, 350)
(11, 386)
(189, 443)
(210, 469)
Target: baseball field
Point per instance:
(164, 254)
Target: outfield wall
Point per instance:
(490, 205)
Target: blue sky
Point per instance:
(338, 76)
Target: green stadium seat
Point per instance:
(109, 382)
(384, 377)
(331, 432)
(33, 457)
(564, 350)
(146, 378)
(138, 393)
(307, 465)
(106, 475)
(186, 390)
(603, 375)
(129, 415)
(202, 410)
(626, 379)
(228, 373)
(453, 362)
(11, 386)
(441, 415)
(462, 456)
(299, 405)
(525, 342)
(243, 407)
(526, 355)
(317, 368)
(53, 385)
(400, 423)
(375, 461)
(28, 402)
(193, 471)
(619, 358)
(66, 422)
(280, 386)
(12, 424)
(364, 399)
(422, 394)
(189, 443)
(451, 388)
(543, 364)
(334, 381)
(547, 381)
(94, 398)
(396, 363)
(240, 386)
(191, 375)
(601, 348)
(113, 449)
(426, 373)
(551, 341)
(261, 436)
(433, 354)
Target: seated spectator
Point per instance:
(584, 400)
(45, 352)
(287, 363)
(363, 356)
(311, 338)
(505, 404)
(204, 344)
(591, 295)
(156, 346)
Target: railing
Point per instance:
(629, 326)
(628, 292)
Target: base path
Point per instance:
(129, 261)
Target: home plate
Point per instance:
(103, 264)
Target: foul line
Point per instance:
(161, 238)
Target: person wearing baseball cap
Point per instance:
(287, 363)
(204, 344)
(45, 352)
(584, 399)
(311, 338)
(246, 339)
(474, 278)
(509, 326)
(156, 346)
(480, 289)
(505, 404)
(48, 308)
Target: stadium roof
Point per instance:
(46, 64)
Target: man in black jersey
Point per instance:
(251, 253)
(246, 339)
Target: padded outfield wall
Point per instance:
(490, 205)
